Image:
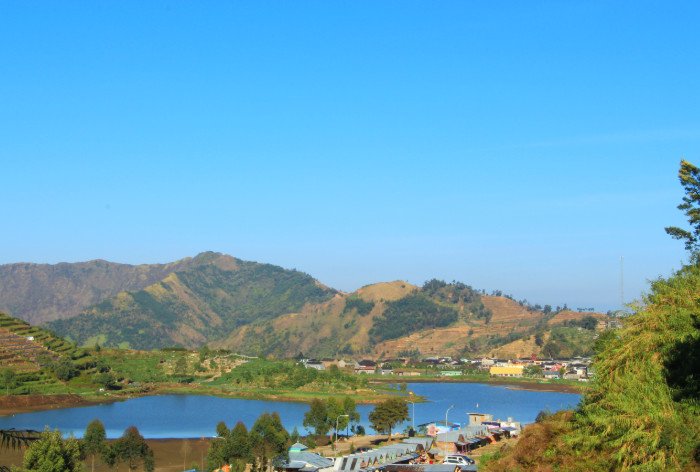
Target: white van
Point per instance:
(458, 459)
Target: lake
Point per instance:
(194, 416)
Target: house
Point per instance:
(314, 364)
(327, 363)
(450, 373)
(478, 418)
(506, 370)
(407, 373)
(571, 375)
(365, 370)
(378, 459)
(305, 462)
(297, 447)
(550, 374)
(424, 443)
(462, 440)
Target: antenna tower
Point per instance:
(622, 282)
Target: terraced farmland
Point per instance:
(22, 346)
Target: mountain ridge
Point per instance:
(263, 309)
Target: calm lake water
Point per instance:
(194, 416)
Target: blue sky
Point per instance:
(520, 146)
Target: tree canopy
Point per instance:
(388, 414)
(132, 449)
(94, 441)
(689, 175)
(51, 453)
(324, 415)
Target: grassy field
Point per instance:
(136, 373)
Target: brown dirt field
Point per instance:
(519, 348)
(569, 315)
(508, 316)
(10, 404)
(507, 312)
(387, 291)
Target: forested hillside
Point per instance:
(194, 306)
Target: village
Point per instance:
(578, 368)
(431, 447)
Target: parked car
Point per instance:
(459, 459)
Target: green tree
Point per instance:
(132, 449)
(532, 371)
(8, 377)
(203, 353)
(350, 409)
(181, 366)
(539, 340)
(689, 175)
(94, 441)
(51, 453)
(268, 439)
(105, 380)
(294, 436)
(240, 441)
(64, 369)
(317, 417)
(221, 429)
(388, 414)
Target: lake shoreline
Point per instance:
(512, 384)
(15, 404)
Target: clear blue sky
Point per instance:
(521, 146)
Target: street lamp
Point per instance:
(413, 415)
(448, 410)
(336, 429)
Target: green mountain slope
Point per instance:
(39, 293)
(190, 307)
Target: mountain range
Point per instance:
(262, 309)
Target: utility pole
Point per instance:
(448, 410)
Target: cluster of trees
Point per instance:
(51, 453)
(457, 293)
(569, 342)
(358, 304)
(589, 322)
(289, 374)
(324, 415)
(62, 367)
(409, 314)
(266, 441)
